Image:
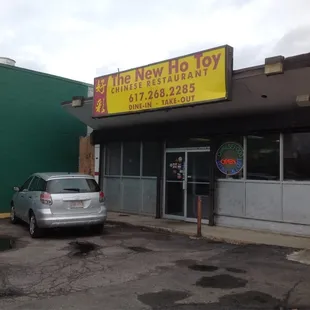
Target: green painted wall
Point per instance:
(36, 134)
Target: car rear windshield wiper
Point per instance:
(72, 189)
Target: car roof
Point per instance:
(61, 175)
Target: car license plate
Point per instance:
(76, 204)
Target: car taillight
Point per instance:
(46, 198)
(101, 197)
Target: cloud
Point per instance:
(293, 42)
(81, 40)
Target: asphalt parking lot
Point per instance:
(130, 268)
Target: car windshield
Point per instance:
(72, 185)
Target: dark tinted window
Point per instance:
(26, 184)
(72, 185)
(113, 159)
(151, 159)
(33, 186)
(37, 185)
(198, 166)
(263, 160)
(296, 151)
(131, 158)
(41, 185)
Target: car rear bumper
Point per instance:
(45, 220)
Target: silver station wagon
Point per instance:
(49, 200)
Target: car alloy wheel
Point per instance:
(13, 215)
(34, 230)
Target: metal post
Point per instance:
(199, 215)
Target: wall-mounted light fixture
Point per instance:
(274, 65)
(303, 100)
(77, 101)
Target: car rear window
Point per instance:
(72, 185)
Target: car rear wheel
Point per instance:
(34, 230)
(13, 217)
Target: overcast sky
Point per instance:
(82, 39)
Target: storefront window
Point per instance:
(263, 160)
(131, 158)
(113, 158)
(152, 157)
(229, 157)
(296, 153)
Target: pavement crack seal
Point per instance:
(250, 300)
(285, 300)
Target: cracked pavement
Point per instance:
(130, 268)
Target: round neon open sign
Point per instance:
(229, 158)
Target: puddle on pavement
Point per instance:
(10, 292)
(82, 248)
(223, 281)
(235, 270)
(6, 244)
(253, 299)
(163, 298)
(139, 249)
(204, 268)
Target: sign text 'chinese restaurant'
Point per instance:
(196, 78)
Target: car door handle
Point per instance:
(29, 197)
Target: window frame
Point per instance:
(34, 182)
(22, 189)
(121, 175)
(140, 161)
(106, 161)
(280, 167)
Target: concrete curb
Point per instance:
(4, 215)
(179, 232)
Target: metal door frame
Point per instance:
(186, 151)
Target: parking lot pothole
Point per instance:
(223, 281)
(82, 248)
(6, 244)
(163, 298)
(10, 292)
(205, 268)
(235, 270)
(139, 249)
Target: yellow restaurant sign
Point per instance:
(192, 79)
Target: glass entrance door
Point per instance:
(174, 185)
(187, 177)
(197, 183)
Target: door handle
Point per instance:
(29, 197)
(184, 185)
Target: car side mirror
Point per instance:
(16, 188)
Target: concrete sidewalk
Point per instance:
(229, 235)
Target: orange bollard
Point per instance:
(199, 216)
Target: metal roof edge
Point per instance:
(290, 63)
(47, 75)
